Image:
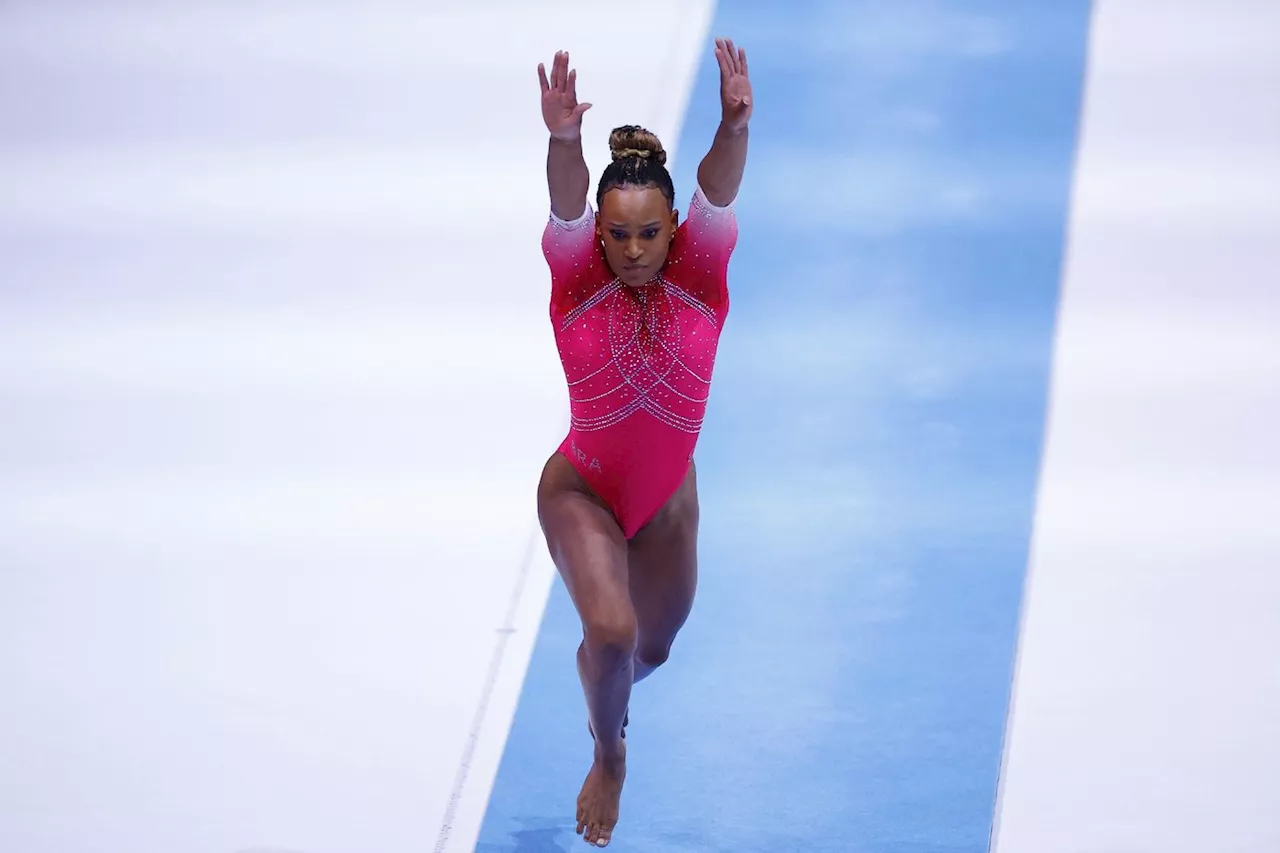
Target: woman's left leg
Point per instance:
(662, 573)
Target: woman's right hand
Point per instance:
(560, 108)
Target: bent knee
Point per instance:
(610, 640)
(653, 656)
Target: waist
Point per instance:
(641, 441)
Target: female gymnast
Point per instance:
(638, 300)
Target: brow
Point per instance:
(642, 227)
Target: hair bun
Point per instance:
(633, 141)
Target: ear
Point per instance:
(675, 219)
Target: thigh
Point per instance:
(587, 547)
(663, 569)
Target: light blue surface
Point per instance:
(869, 462)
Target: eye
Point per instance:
(651, 233)
(618, 235)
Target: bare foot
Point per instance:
(601, 794)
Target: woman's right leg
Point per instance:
(590, 552)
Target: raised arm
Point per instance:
(720, 172)
(567, 175)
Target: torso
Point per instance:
(638, 361)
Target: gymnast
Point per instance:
(638, 301)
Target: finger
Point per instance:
(572, 87)
(542, 78)
(723, 61)
(557, 69)
(580, 109)
(733, 55)
(742, 61)
(564, 71)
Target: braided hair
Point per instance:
(638, 161)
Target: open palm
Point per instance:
(735, 85)
(560, 108)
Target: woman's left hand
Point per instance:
(735, 86)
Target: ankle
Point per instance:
(612, 755)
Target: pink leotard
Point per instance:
(638, 360)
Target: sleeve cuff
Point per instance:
(700, 198)
(570, 225)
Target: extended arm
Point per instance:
(568, 179)
(720, 172)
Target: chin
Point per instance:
(637, 278)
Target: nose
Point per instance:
(633, 251)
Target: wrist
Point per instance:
(730, 129)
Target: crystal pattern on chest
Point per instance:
(647, 348)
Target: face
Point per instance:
(636, 226)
